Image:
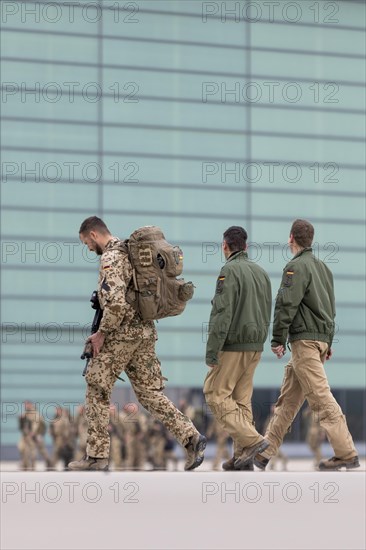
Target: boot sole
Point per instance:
(201, 446)
(347, 466)
(259, 465)
(240, 464)
(105, 469)
(89, 470)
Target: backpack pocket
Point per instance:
(172, 263)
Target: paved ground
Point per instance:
(293, 465)
(297, 510)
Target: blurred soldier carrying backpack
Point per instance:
(63, 437)
(26, 444)
(33, 428)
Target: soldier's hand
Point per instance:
(97, 341)
(279, 351)
(329, 354)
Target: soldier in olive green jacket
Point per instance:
(304, 315)
(238, 328)
(305, 307)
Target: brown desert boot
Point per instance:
(249, 453)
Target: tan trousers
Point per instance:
(228, 390)
(305, 378)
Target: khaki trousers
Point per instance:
(228, 390)
(305, 378)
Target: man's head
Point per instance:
(235, 239)
(301, 235)
(95, 234)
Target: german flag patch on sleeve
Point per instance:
(288, 278)
(220, 284)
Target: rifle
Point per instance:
(88, 348)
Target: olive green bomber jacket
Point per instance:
(305, 303)
(241, 308)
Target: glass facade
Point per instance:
(190, 115)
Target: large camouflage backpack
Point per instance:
(156, 291)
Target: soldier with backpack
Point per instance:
(137, 284)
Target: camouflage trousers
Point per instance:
(135, 452)
(138, 360)
(27, 450)
(116, 451)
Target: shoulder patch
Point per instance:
(288, 278)
(220, 284)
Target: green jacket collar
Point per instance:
(308, 249)
(238, 255)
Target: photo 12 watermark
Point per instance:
(256, 332)
(12, 410)
(71, 12)
(69, 91)
(270, 492)
(271, 251)
(326, 13)
(67, 332)
(270, 92)
(269, 172)
(71, 492)
(45, 252)
(71, 171)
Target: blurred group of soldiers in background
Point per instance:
(137, 440)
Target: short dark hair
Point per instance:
(236, 238)
(303, 232)
(91, 224)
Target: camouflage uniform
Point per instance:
(222, 452)
(280, 456)
(62, 434)
(26, 444)
(33, 428)
(81, 428)
(135, 427)
(315, 434)
(117, 437)
(39, 428)
(129, 346)
(157, 442)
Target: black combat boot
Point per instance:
(229, 465)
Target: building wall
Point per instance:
(187, 116)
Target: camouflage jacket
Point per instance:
(115, 274)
